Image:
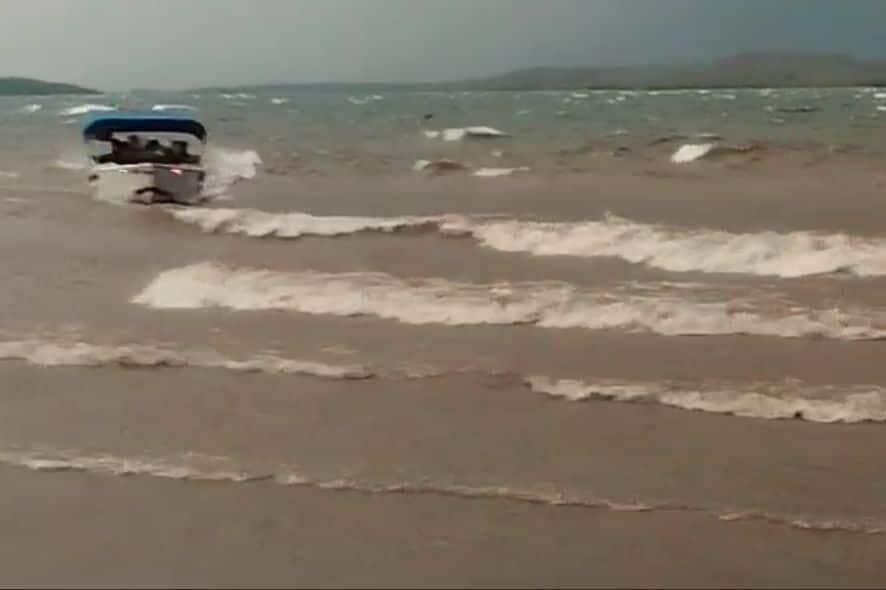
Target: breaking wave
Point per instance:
(786, 255)
(255, 223)
(694, 152)
(196, 467)
(225, 167)
(691, 152)
(548, 305)
(770, 401)
(81, 354)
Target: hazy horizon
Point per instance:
(177, 45)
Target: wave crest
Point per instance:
(198, 467)
(82, 354)
(828, 404)
(547, 305)
(785, 255)
(82, 109)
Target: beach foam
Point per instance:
(81, 354)
(196, 467)
(547, 305)
(769, 401)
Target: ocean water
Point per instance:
(657, 306)
(374, 133)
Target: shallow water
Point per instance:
(696, 344)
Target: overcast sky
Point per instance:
(116, 44)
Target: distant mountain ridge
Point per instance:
(747, 70)
(14, 86)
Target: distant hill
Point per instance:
(749, 70)
(30, 86)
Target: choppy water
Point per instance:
(551, 309)
(375, 133)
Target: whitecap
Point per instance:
(31, 108)
(692, 152)
(237, 96)
(279, 100)
(494, 172)
(455, 134)
(173, 107)
(86, 108)
(459, 133)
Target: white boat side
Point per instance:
(148, 183)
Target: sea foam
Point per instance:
(769, 401)
(786, 255)
(44, 353)
(543, 304)
(85, 108)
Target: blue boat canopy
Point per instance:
(100, 126)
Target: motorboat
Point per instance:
(146, 157)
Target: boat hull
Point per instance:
(148, 183)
